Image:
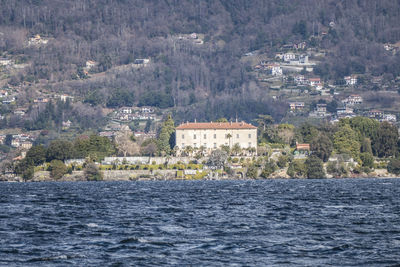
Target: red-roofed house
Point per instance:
(213, 135)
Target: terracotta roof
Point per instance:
(215, 125)
(303, 146)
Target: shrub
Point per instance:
(314, 168)
(92, 172)
(296, 169)
(57, 169)
(252, 171)
(394, 166)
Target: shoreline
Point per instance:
(119, 176)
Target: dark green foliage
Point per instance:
(282, 161)
(166, 137)
(94, 98)
(8, 140)
(322, 147)
(296, 169)
(252, 171)
(156, 99)
(337, 169)
(25, 168)
(96, 147)
(394, 166)
(4, 148)
(308, 132)
(300, 28)
(92, 172)
(36, 155)
(367, 159)
(59, 149)
(385, 142)
(314, 168)
(346, 141)
(120, 98)
(268, 169)
(57, 169)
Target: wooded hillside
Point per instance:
(210, 80)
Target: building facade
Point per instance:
(213, 135)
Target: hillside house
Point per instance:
(90, 64)
(353, 100)
(296, 106)
(41, 100)
(26, 145)
(351, 80)
(301, 45)
(375, 114)
(5, 62)
(345, 112)
(20, 112)
(66, 125)
(289, 57)
(389, 118)
(321, 108)
(274, 69)
(314, 82)
(37, 40)
(64, 97)
(320, 111)
(213, 135)
(3, 93)
(302, 151)
(300, 80)
(2, 138)
(141, 61)
(125, 110)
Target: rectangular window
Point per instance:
(215, 145)
(250, 144)
(205, 136)
(205, 145)
(195, 145)
(194, 136)
(237, 136)
(249, 135)
(183, 136)
(215, 136)
(183, 145)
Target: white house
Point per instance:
(213, 135)
(351, 80)
(289, 56)
(314, 81)
(353, 100)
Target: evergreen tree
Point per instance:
(165, 142)
(346, 141)
(322, 147)
(314, 168)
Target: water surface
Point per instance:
(354, 222)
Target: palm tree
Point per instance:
(236, 149)
(188, 150)
(229, 136)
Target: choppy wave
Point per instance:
(201, 223)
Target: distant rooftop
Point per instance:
(215, 125)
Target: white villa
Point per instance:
(213, 135)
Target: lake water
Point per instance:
(201, 223)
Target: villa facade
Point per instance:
(213, 135)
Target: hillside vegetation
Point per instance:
(209, 79)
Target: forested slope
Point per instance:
(210, 80)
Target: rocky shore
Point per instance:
(140, 175)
